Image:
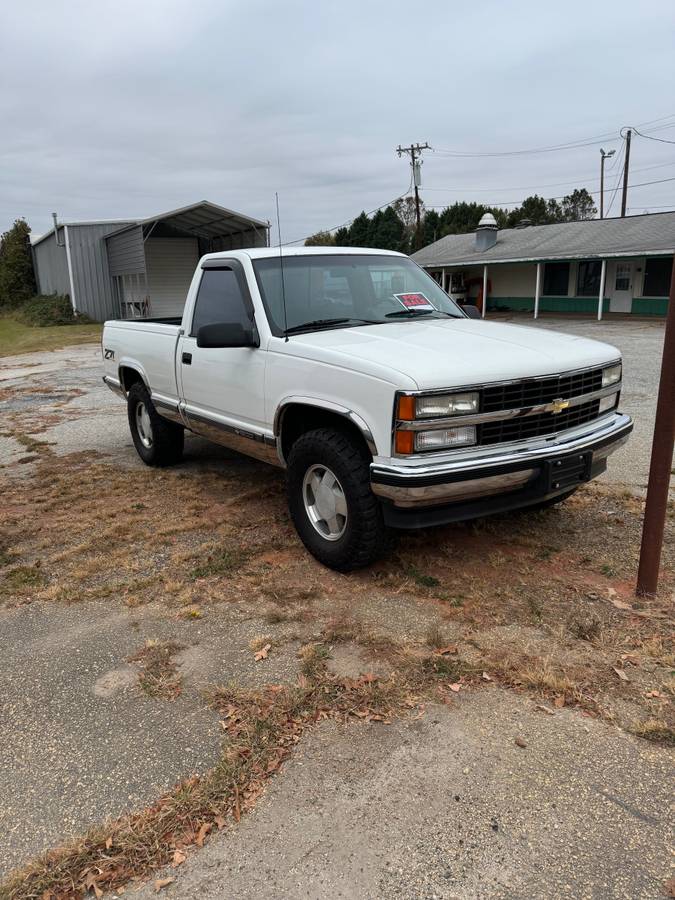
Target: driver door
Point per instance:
(222, 387)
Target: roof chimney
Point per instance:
(486, 233)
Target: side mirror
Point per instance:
(226, 334)
(472, 311)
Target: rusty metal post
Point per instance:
(661, 461)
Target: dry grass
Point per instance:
(158, 676)
(263, 727)
(534, 612)
(656, 730)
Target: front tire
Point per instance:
(158, 442)
(334, 511)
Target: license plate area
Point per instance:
(567, 471)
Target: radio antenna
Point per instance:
(281, 267)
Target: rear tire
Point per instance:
(158, 442)
(335, 513)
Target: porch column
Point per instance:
(444, 280)
(485, 281)
(603, 272)
(537, 291)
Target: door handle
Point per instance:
(186, 359)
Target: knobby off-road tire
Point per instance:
(157, 441)
(360, 537)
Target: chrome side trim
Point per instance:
(114, 385)
(329, 406)
(503, 414)
(168, 408)
(250, 443)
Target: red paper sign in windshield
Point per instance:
(414, 301)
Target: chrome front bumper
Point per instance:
(506, 470)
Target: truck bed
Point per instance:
(169, 320)
(147, 346)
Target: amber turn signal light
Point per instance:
(406, 409)
(405, 441)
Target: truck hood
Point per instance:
(442, 353)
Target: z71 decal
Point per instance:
(108, 354)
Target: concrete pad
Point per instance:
(449, 806)
(80, 741)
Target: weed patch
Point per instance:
(655, 730)
(219, 561)
(22, 578)
(159, 676)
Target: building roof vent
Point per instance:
(486, 233)
(524, 223)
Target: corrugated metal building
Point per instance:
(133, 268)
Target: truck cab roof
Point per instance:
(276, 252)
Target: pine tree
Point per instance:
(17, 278)
(341, 237)
(388, 231)
(360, 232)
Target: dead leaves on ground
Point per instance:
(262, 653)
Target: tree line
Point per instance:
(17, 278)
(394, 228)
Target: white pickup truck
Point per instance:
(388, 405)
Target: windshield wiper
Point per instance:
(327, 323)
(414, 313)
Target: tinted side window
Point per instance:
(657, 277)
(588, 278)
(219, 299)
(556, 279)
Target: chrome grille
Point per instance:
(522, 428)
(533, 391)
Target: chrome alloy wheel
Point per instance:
(325, 502)
(143, 425)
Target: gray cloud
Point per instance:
(129, 108)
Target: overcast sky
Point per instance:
(133, 107)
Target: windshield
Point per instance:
(343, 290)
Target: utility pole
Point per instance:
(603, 157)
(415, 151)
(624, 195)
(661, 463)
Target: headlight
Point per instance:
(446, 405)
(607, 403)
(445, 437)
(611, 375)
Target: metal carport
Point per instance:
(152, 261)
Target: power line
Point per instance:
(349, 221)
(609, 137)
(562, 197)
(538, 187)
(651, 138)
(554, 148)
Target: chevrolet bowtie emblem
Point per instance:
(557, 406)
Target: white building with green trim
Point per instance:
(597, 266)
